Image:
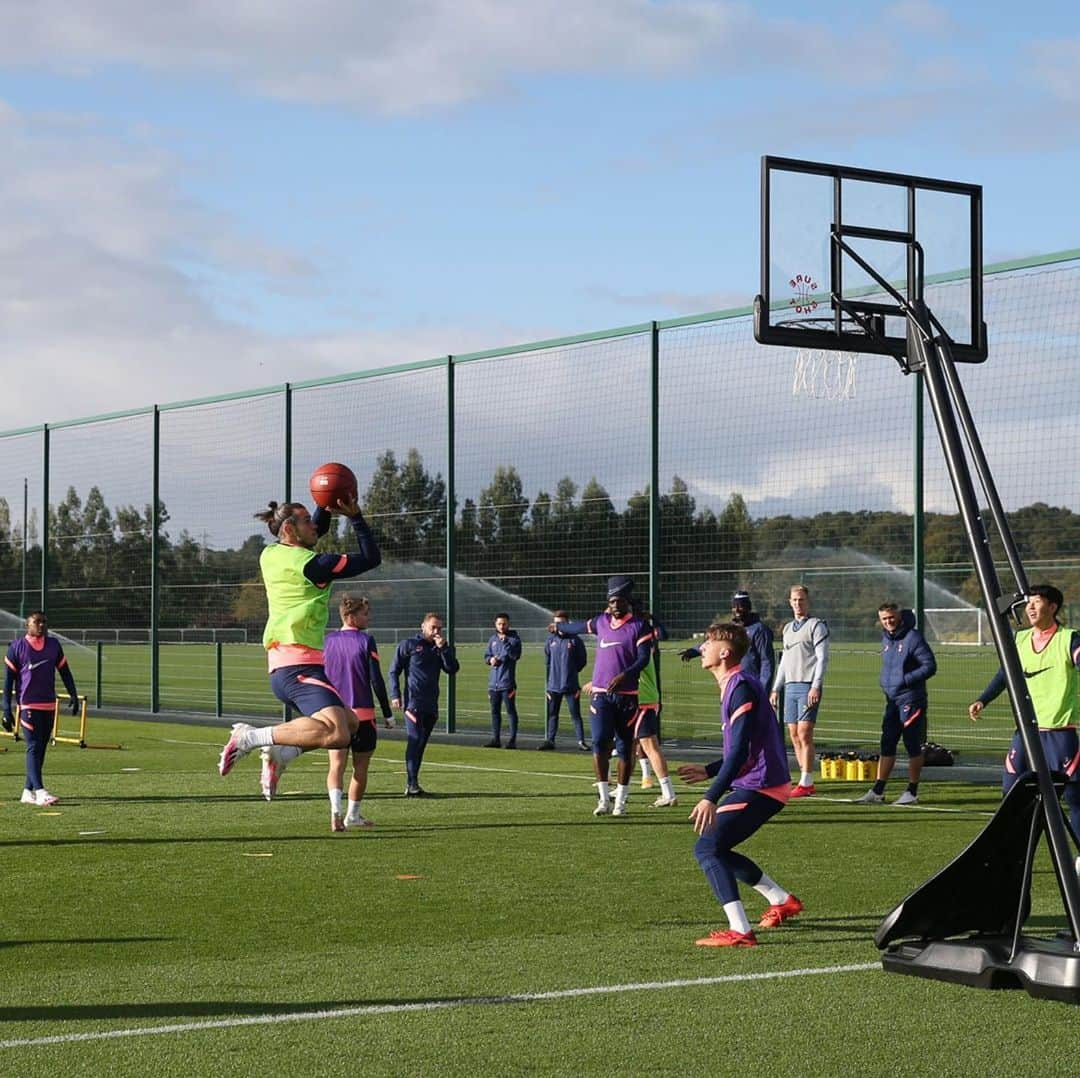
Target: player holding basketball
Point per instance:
(297, 582)
(624, 648)
(753, 773)
(35, 659)
(1049, 654)
(351, 659)
(801, 672)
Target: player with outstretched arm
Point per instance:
(297, 582)
(623, 650)
(750, 785)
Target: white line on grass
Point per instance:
(432, 1005)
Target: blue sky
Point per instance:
(202, 198)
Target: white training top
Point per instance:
(806, 653)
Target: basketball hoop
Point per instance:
(824, 374)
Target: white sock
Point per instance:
(736, 916)
(806, 778)
(621, 794)
(773, 893)
(287, 753)
(646, 768)
(260, 736)
(354, 809)
(666, 787)
(602, 792)
(335, 801)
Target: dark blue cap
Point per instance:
(619, 585)
(742, 598)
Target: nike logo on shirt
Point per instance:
(1033, 673)
(34, 666)
(610, 643)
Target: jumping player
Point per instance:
(754, 769)
(351, 659)
(35, 659)
(624, 648)
(297, 582)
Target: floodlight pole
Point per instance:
(930, 353)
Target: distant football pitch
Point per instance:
(850, 714)
(164, 920)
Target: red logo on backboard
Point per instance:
(804, 286)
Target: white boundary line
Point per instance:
(431, 1005)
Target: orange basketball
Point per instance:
(331, 482)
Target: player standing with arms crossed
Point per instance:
(801, 672)
(297, 582)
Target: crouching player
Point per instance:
(351, 660)
(754, 769)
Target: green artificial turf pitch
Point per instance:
(850, 714)
(158, 896)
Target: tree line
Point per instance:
(554, 548)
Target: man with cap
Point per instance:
(624, 649)
(759, 658)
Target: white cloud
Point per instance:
(419, 54)
(1054, 64)
(97, 315)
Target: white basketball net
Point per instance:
(824, 374)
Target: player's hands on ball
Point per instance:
(704, 815)
(693, 773)
(347, 507)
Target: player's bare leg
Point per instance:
(328, 728)
(651, 747)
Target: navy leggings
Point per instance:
(738, 816)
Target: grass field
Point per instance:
(850, 714)
(165, 921)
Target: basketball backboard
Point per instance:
(842, 249)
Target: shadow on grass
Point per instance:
(205, 1009)
(90, 940)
